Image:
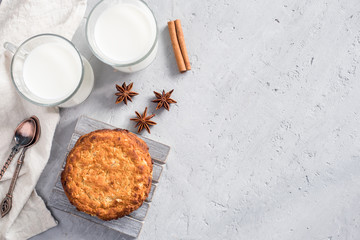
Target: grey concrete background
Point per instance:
(265, 136)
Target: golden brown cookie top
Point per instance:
(108, 173)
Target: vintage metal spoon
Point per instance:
(7, 201)
(24, 135)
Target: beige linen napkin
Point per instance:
(20, 20)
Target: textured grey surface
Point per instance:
(265, 136)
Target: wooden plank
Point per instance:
(157, 170)
(126, 225)
(58, 184)
(85, 125)
(64, 163)
(74, 138)
(141, 212)
(158, 151)
(151, 193)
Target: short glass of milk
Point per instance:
(48, 70)
(123, 34)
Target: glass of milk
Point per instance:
(48, 70)
(123, 34)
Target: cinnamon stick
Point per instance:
(181, 40)
(176, 47)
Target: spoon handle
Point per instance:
(7, 201)
(14, 151)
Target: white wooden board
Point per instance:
(130, 225)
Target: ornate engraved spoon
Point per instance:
(7, 202)
(24, 135)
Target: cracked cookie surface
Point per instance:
(108, 173)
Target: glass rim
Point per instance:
(58, 102)
(113, 63)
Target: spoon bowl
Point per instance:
(37, 131)
(25, 132)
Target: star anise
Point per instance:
(124, 93)
(163, 100)
(143, 121)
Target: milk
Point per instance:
(52, 70)
(125, 33)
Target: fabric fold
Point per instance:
(20, 20)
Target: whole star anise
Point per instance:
(143, 121)
(124, 93)
(163, 100)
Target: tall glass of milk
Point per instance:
(48, 70)
(123, 34)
